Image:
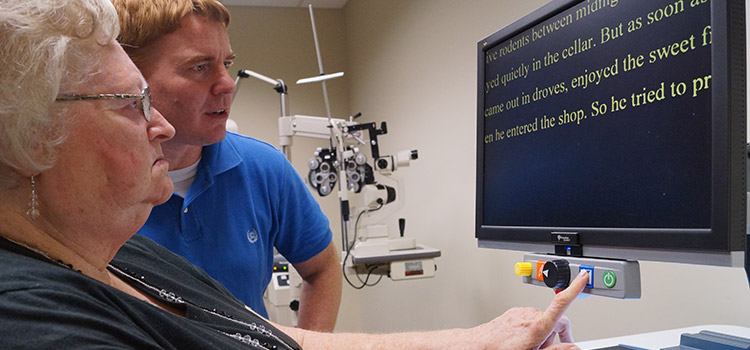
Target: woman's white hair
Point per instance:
(45, 43)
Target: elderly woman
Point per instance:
(80, 169)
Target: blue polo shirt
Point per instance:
(245, 200)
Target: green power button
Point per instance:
(609, 279)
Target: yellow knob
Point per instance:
(524, 269)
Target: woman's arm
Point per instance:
(518, 328)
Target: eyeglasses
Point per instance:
(144, 97)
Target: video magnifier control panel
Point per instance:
(610, 278)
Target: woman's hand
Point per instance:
(528, 328)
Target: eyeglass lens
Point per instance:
(146, 104)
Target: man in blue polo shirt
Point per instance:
(236, 198)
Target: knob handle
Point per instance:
(523, 269)
(294, 305)
(556, 274)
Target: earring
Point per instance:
(33, 212)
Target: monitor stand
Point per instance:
(747, 258)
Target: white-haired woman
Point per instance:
(80, 169)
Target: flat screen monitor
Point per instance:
(619, 122)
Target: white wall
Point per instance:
(413, 64)
(278, 43)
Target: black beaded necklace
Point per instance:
(172, 297)
(41, 253)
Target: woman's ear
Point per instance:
(21, 172)
(11, 178)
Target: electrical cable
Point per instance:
(373, 268)
(349, 248)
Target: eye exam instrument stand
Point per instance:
(369, 194)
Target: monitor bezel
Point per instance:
(724, 242)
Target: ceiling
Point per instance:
(331, 4)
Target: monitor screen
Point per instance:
(622, 122)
